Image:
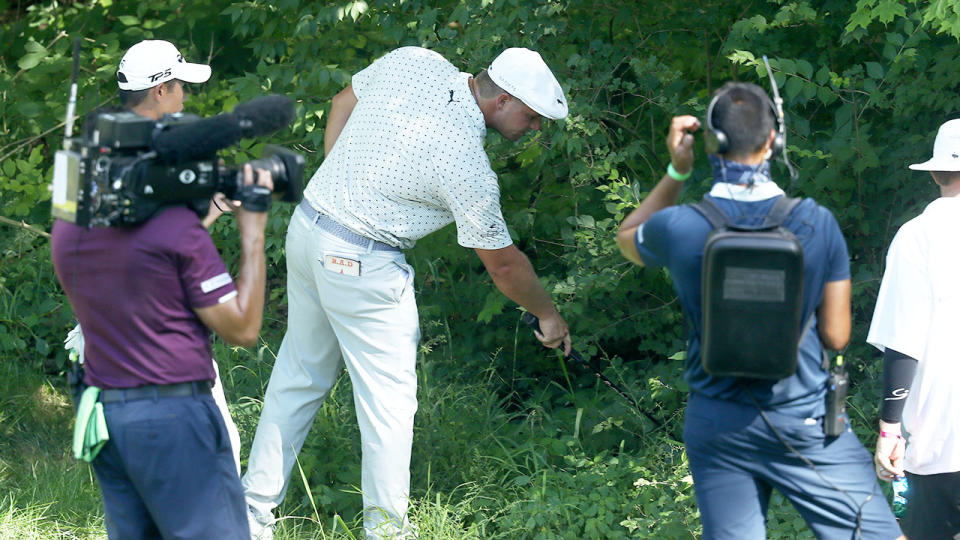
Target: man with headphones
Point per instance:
(745, 437)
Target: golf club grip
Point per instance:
(532, 321)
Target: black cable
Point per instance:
(782, 128)
(776, 432)
(214, 201)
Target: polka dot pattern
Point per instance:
(410, 159)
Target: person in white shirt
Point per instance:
(915, 323)
(404, 157)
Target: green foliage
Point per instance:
(33, 317)
(512, 439)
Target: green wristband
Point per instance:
(672, 173)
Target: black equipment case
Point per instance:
(752, 295)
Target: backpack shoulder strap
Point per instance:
(781, 211)
(709, 210)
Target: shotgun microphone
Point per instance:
(176, 142)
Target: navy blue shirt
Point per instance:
(674, 238)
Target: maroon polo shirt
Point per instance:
(134, 291)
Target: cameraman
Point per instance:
(153, 99)
(736, 457)
(147, 297)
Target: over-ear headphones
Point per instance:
(717, 141)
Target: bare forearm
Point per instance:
(894, 428)
(664, 194)
(667, 191)
(251, 288)
(238, 319)
(340, 111)
(513, 274)
(520, 284)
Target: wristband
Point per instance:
(888, 435)
(679, 177)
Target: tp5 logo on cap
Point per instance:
(165, 75)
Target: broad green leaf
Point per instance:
(793, 87)
(493, 306)
(35, 54)
(33, 47)
(31, 109)
(823, 75)
(874, 70)
(786, 65)
(31, 60)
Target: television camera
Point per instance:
(126, 166)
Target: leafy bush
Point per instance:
(513, 441)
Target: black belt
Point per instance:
(184, 389)
(330, 225)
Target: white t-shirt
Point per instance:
(918, 314)
(410, 159)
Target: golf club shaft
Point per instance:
(531, 320)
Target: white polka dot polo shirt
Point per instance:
(410, 159)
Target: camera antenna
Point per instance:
(778, 103)
(72, 101)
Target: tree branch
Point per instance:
(25, 225)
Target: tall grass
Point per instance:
(44, 492)
(562, 462)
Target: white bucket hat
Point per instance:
(152, 62)
(946, 149)
(523, 74)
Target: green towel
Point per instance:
(90, 429)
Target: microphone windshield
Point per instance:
(264, 115)
(178, 143)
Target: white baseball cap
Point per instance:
(152, 62)
(523, 74)
(946, 149)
